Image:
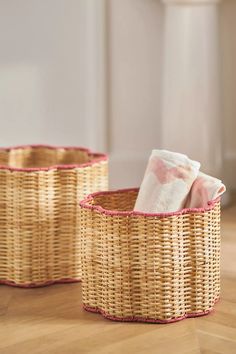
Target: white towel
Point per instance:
(204, 189)
(167, 181)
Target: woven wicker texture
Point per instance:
(145, 267)
(40, 213)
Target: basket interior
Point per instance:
(36, 157)
(119, 200)
(124, 201)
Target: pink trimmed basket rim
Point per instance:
(147, 320)
(98, 157)
(39, 285)
(85, 204)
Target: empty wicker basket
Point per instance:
(40, 190)
(148, 267)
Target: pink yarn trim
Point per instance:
(85, 204)
(39, 285)
(98, 157)
(144, 319)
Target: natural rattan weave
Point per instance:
(148, 267)
(40, 190)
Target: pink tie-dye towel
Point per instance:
(204, 189)
(167, 182)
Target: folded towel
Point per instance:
(167, 181)
(204, 189)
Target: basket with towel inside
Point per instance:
(148, 265)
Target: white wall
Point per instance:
(228, 41)
(136, 31)
(65, 80)
(135, 45)
(44, 65)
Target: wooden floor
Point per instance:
(50, 320)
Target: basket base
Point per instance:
(38, 285)
(144, 319)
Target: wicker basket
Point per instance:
(148, 267)
(40, 190)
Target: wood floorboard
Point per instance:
(50, 320)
